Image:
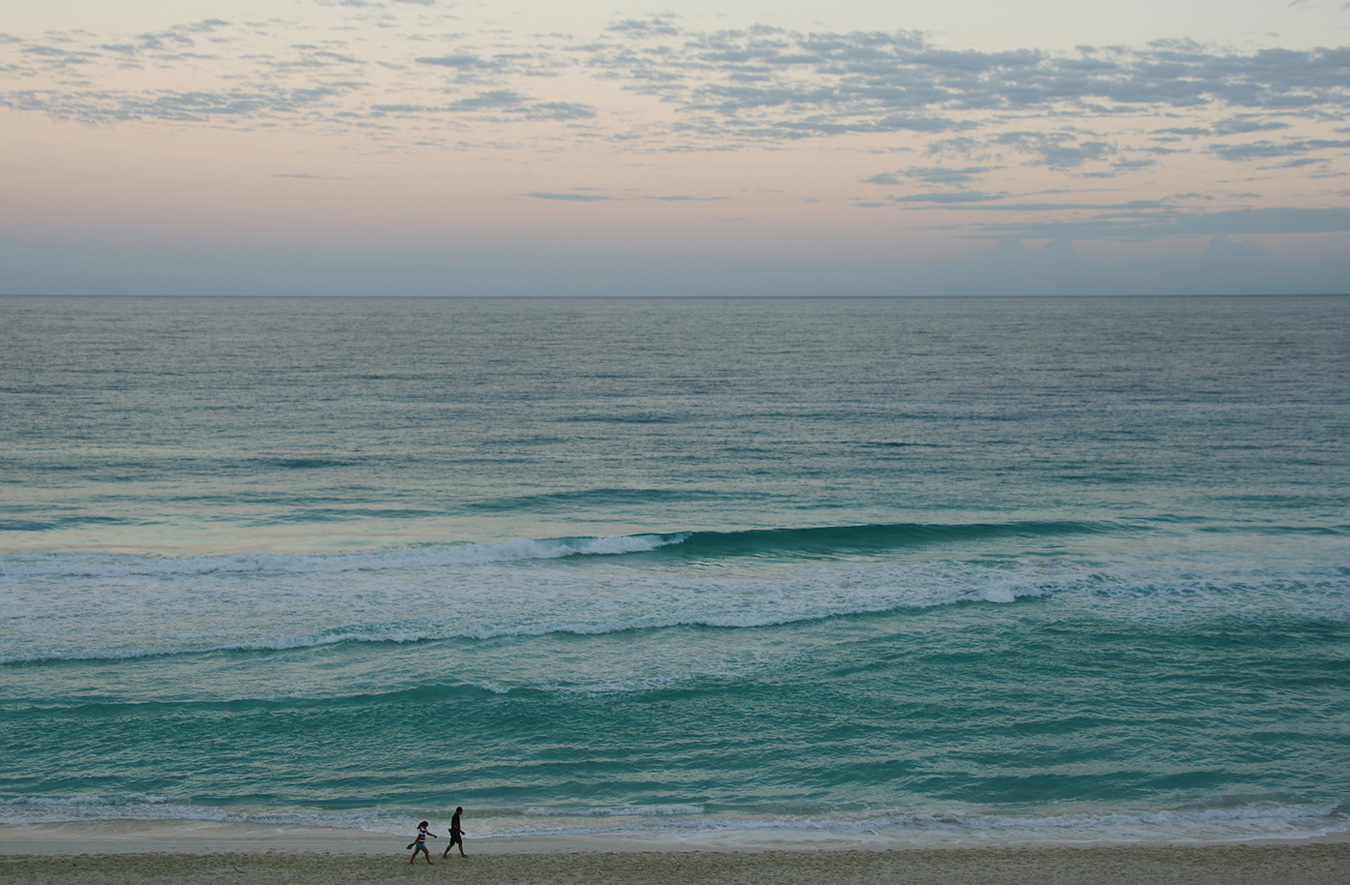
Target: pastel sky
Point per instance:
(525, 147)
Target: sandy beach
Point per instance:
(188, 852)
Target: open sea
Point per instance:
(922, 570)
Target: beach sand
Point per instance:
(220, 854)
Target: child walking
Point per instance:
(421, 843)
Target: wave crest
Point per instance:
(91, 565)
(801, 542)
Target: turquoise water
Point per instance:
(930, 569)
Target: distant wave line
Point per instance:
(113, 565)
(823, 541)
(1288, 819)
(400, 635)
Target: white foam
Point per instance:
(145, 617)
(683, 823)
(636, 811)
(90, 565)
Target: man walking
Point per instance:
(456, 835)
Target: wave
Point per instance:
(69, 522)
(308, 463)
(1247, 822)
(92, 565)
(672, 615)
(429, 692)
(682, 824)
(616, 811)
(809, 542)
(29, 810)
(833, 541)
(566, 603)
(588, 499)
(563, 603)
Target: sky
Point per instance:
(525, 147)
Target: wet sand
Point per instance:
(185, 853)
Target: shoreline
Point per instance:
(198, 837)
(215, 853)
(1302, 863)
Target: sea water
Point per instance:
(918, 570)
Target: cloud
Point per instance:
(656, 26)
(460, 61)
(375, 4)
(1058, 150)
(167, 45)
(582, 197)
(497, 98)
(881, 73)
(1150, 224)
(1099, 111)
(1131, 165)
(100, 108)
(514, 104)
(569, 197)
(951, 197)
(560, 110)
(1267, 150)
(505, 101)
(954, 184)
(766, 84)
(1247, 125)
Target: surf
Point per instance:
(792, 542)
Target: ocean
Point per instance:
(920, 570)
